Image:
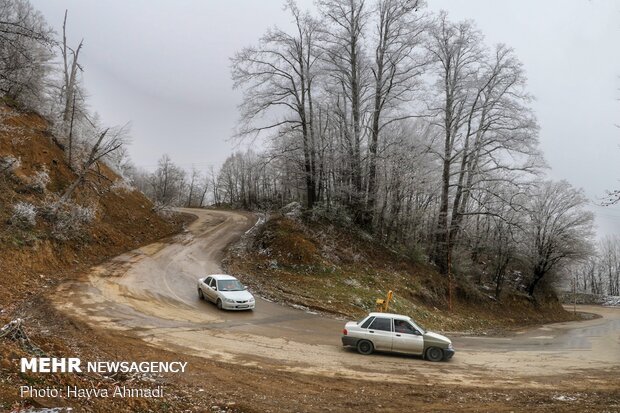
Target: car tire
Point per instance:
(434, 354)
(365, 347)
(201, 294)
(219, 304)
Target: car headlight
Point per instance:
(229, 300)
(450, 346)
(251, 299)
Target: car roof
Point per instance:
(221, 276)
(399, 316)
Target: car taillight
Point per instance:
(345, 332)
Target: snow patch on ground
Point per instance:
(303, 308)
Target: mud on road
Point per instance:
(151, 293)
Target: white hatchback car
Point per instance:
(226, 292)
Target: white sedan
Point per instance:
(398, 333)
(226, 292)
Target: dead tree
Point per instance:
(105, 145)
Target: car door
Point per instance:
(380, 332)
(407, 339)
(213, 290)
(204, 286)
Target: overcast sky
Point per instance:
(163, 65)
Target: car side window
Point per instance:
(208, 280)
(367, 322)
(213, 283)
(402, 326)
(380, 323)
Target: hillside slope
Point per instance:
(36, 249)
(326, 267)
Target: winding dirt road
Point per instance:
(151, 293)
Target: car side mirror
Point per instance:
(215, 288)
(245, 287)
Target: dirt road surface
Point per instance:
(151, 293)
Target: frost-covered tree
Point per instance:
(558, 229)
(26, 43)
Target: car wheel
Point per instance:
(201, 294)
(434, 354)
(365, 347)
(219, 304)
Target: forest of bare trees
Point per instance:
(600, 274)
(376, 113)
(410, 126)
(406, 125)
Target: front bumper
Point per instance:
(448, 353)
(238, 306)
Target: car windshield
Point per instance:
(229, 285)
(418, 327)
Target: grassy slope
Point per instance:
(333, 269)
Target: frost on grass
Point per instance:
(24, 215)
(69, 220)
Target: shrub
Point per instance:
(9, 164)
(122, 185)
(24, 215)
(39, 181)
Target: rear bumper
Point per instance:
(349, 341)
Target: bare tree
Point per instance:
(347, 67)
(395, 71)
(612, 197)
(25, 52)
(558, 229)
(167, 184)
(489, 132)
(194, 177)
(70, 92)
(204, 189)
(278, 76)
(457, 52)
(107, 142)
(601, 273)
(609, 264)
(214, 183)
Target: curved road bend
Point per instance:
(151, 292)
